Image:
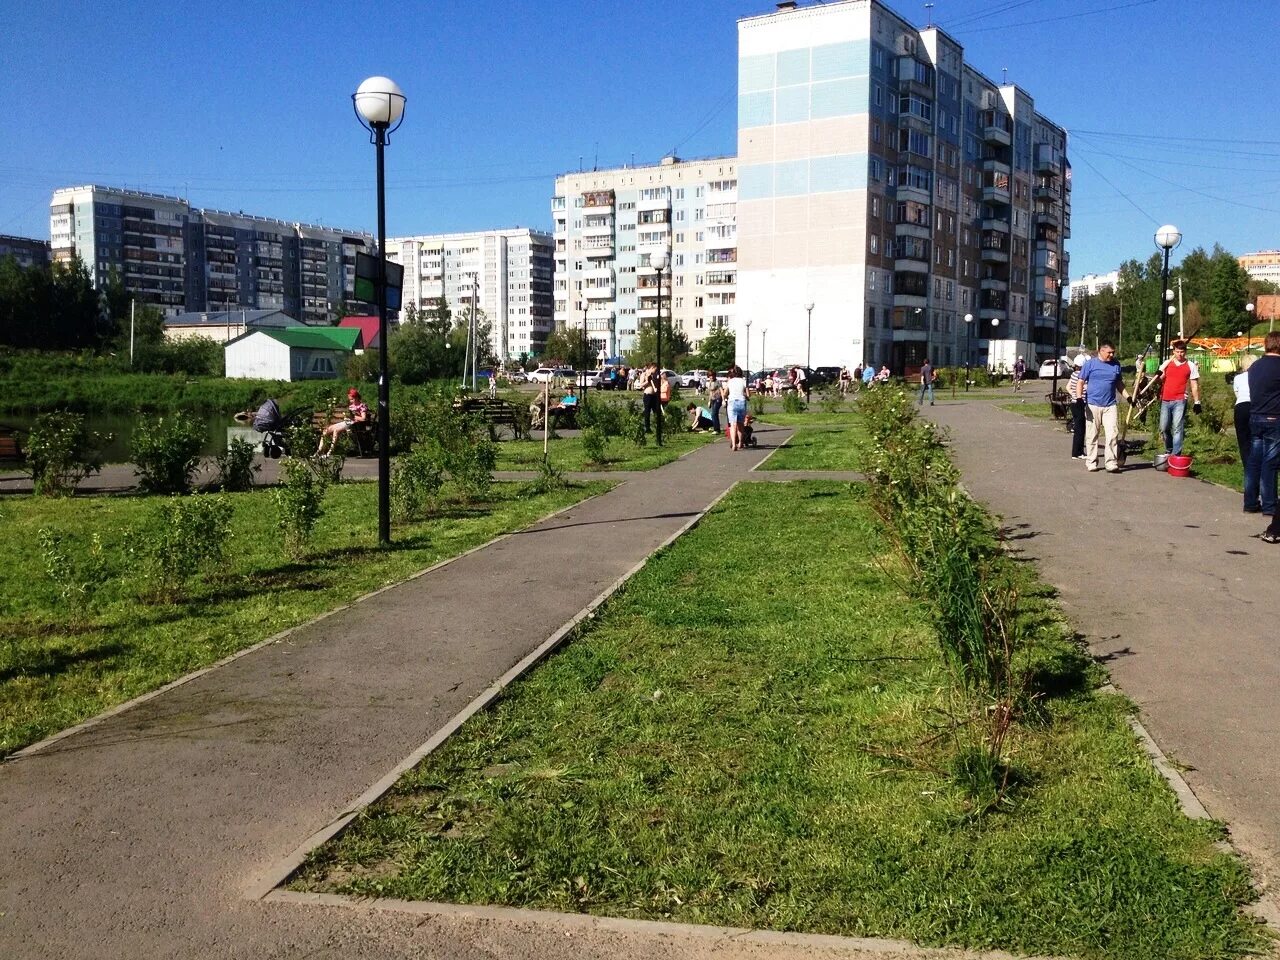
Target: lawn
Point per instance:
(819, 449)
(620, 454)
(744, 743)
(56, 670)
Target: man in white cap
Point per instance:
(1077, 407)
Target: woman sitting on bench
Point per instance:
(357, 412)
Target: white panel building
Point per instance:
(506, 273)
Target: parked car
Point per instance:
(1064, 368)
(694, 378)
(823, 375)
(672, 377)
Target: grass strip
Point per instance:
(55, 671)
(566, 453)
(727, 745)
(819, 449)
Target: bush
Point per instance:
(61, 452)
(166, 451)
(757, 405)
(300, 503)
(460, 443)
(76, 572)
(673, 420)
(594, 442)
(178, 538)
(236, 467)
(792, 402)
(549, 479)
(415, 483)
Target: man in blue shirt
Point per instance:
(1264, 432)
(1100, 381)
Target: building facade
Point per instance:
(185, 259)
(607, 225)
(896, 189)
(507, 274)
(1092, 284)
(1263, 265)
(27, 252)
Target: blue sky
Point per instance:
(246, 106)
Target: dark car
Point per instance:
(819, 376)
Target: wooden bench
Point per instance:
(494, 411)
(10, 448)
(1059, 404)
(364, 435)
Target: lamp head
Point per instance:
(379, 102)
(809, 305)
(1250, 307)
(995, 321)
(658, 260)
(1168, 237)
(968, 318)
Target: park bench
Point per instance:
(364, 435)
(1059, 404)
(495, 412)
(10, 449)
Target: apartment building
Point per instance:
(507, 274)
(1263, 265)
(182, 258)
(1092, 284)
(607, 225)
(896, 189)
(26, 251)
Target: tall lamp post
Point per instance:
(995, 322)
(747, 361)
(659, 262)
(808, 346)
(968, 348)
(379, 105)
(1167, 237)
(764, 332)
(1250, 308)
(582, 379)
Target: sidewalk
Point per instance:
(147, 834)
(1168, 583)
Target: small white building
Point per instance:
(290, 353)
(223, 325)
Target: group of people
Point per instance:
(733, 393)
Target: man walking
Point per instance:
(1100, 381)
(926, 383)
(1264, 433)
(1019, 371)
(1179, 373)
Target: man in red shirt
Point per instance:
(1179, 373)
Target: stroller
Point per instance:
(748, 434)
(273, 424)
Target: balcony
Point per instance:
(911, 263)
(598, 201)
(1048, 159)
(995, 247)
(598, 293)
(654, 203)
(918, 230)
(598, 250)
(597, 230)
(996, 166)
(997, 128)
(995, 283)
(1047, 213)
(996, 193)
(991, 223)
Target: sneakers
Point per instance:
(1270, 537)
(1077, 456)
(1113, 469)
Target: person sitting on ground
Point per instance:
(357, 412)
(699, 418)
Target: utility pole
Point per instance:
(1181, 334)
(475, 330)
(133, 310)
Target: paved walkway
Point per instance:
(148, 834)
(1168, 583)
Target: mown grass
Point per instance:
(819, 449)
(56, 670)
(566, 453)
(732, 745)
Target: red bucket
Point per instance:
(1179, 465)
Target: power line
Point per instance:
(1132, 202)
(1066, 16)
(986, 14)
(720, 104)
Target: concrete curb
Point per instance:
(580, 922)
(280, 871)
(119, 708)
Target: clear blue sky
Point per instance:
(246, 106)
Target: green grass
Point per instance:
(620, 454)
(819, 449)
(1037, 407)
(55, 672)
(727, 744)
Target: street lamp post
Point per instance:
(1250, 308)
(747, 361)
(659, 262)
(808, 347)
(1167, 237)
(379, 105)
(968, 348)
(764, 332)
(582, 395)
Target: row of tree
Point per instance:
(1215, 290)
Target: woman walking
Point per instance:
(736, 389)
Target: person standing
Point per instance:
(802, 383)
(1019, 371)
(1179, 374)
(1240, 386)
(1077, 408)
(648, 380)
(1100, 381)
(1264, 433)
(715, 398)
(926, 383)
(845, 381)
(736, 390)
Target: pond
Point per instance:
(219, 429)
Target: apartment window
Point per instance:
(875, 131)
(878, 94)
(874, 240)
(679, 193)
(875, 206)
(871, 281)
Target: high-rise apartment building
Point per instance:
(1092, 284)
(26, 251)
(896, 189)
(1263, 265)
(181, 258)
(609, 222)
(506, 273)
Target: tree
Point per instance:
(1228, 293)
(562, 346)
(416, 353)
(675, 345)
(717, 350)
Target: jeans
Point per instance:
(715, 414)
(1173, 424)
(1242, 430)
(1264, 457)
(1104, 419)
(923, 388)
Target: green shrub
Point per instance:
(550, 478)
(633, 427)
(61, 452)
(75, 570)
(792, 402)
(299, 499)
(594, 442)
(178, 538)
(460, 443)
(415, 483)
(757, 404)
(236, 467)
(673, 420)
(165, 452)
